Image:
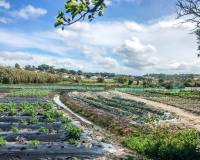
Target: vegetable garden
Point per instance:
(35, 128)
(136, 112)
(188, 100)
(134, 123)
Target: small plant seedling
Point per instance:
(43, 130)
(23, 121)
(75, 131)
(2, 141)
(34, 120)
(15, 130)
(66, 120)
(35, 143)
(73, 142)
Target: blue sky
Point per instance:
(133, 37)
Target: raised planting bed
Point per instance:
(23, 99)
(38, 129)
(5, 126)
(136, 112)
(53, 87)
(29, 93)
(54, 149)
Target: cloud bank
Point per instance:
(163, 45)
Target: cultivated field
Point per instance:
(31, 125)
(93, 123)
(187, 100)
(147, 129)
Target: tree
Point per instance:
(130, 82)
(77, 10)
(121, 79)
(100, 79)
(30, 68)
(17, 66)
(79, 72)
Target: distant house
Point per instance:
(66, 75)
(94, 78)
(108, 80)
(82, 77)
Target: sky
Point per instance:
(133, 37)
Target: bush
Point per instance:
(165, 143)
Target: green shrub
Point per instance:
(164, 143)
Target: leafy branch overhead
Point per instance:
(79, 10)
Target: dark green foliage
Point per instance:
(130, 82)
(164, 143)
(17, 66)
(121, 79)
(100, 79)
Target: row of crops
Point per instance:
(188, 100)
(29, 93)
(171, 92)
(53, 87)
(137, 112)
(34, 127)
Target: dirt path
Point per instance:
(187, 118)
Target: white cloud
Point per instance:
(136, 55)
(4, 4)
(40, 41)
(10, 56)
(29, 12)
(163, 45)
(133, 26)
